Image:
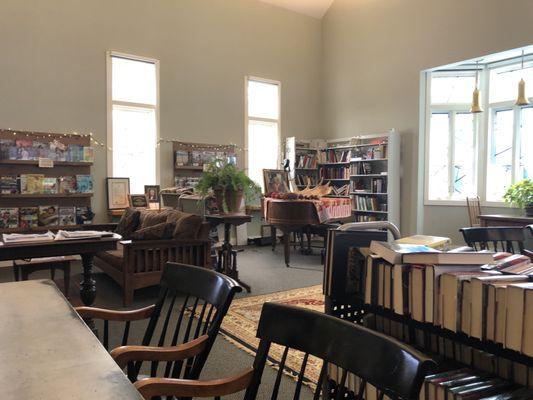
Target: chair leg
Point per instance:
(66, 278)
(24, 273)
(16, 272)
(52, 273)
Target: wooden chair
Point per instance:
(194, 301)
(509, 239)
(393, 368)
(474, 210)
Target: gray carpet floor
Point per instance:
(262, 269)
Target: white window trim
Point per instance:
(110, 104)
(247, 118)
(482, 134)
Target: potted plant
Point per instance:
(229, 185)
(521, 194)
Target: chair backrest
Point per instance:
(192, 302)
(474, 210)
(390, 366)
(509, 239)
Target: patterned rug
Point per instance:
(240, 326)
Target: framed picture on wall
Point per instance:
(152, 192)
(276, 180)
(118, 191)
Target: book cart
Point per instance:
(14, 166)
(343, 287)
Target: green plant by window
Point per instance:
(223, 175)
(521, 193)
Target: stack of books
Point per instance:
(44, 216)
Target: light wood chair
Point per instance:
(474, 211)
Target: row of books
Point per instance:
(47, 215)
(376, 185)
(199, 158)
(186, 181)
(343, 190)
(28, 149)
(41, 184)
(334, 172)
(368, 203)
(306, 161)
(335, 156)
(370, 218)
(305, 179)
(477, 293)
(361, 168)
(377, 152)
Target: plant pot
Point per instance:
(233, 199)
(219, 199)
(528, 208)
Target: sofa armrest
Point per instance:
(146, 244)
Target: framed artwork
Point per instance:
(276, 180)
(138, 200)
(118, 190)
(152, 192)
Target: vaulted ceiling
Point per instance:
(313, 8)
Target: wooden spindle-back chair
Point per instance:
(393, 368)
(474, 210)
(192, 303)
(509, 239)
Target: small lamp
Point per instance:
(522, 99)
(476, 106)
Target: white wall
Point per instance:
(373, 52)
(53, 76)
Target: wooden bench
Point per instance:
(23, 268)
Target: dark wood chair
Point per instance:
(509, 239)
(393, 368)
(193, 302)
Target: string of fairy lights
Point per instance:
(58, 136)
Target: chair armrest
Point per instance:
(124, 354)
(151, 387)
(147, 244)
(528, 253)
(113, 315)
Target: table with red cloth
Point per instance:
(293, 215)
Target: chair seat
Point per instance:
(113, 257)
(45, 260)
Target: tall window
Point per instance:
(452, 138)
(494, 145)
(262, 126)
(133, 119)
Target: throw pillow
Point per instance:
(160, 231)
(187, 226)
(128, 223)
(151, 218)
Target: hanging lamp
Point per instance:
(522, 100)
(476, 106)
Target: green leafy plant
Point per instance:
(521, 193)
(220, 174)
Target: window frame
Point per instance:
(110, 103)
(248, 118)
(484, 130)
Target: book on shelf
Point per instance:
(88, 154)
(74, 153)
(29, 217)
(9, 217)
(438, 257)
(336, 156)
(50, 185)
(393, 253)
(48, 215)
(510, 264)
(31, 183)
(67, 184)
(84, 215)
(25, 150)
(84, 183)
(9, 184)
(334, 172)
(340, 190)
(67, 216)
(181, 158)
(305, 161)
(519, 319)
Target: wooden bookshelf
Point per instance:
(17, 167)
(189, 159)
(303, 157)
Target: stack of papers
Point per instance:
(9, 238)
(73, 235)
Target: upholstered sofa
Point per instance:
(151, 238)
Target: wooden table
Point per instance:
(86, 248)
(47, 351)
(505, 220)
(226, 266)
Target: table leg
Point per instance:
(88, 287)
(273, 237)
(287, 248)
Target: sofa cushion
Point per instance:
(188, 226)
(151, 218)
(128, 223)
(160, 231)
(112, 257)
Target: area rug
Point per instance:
(240, 327)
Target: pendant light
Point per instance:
(476, 106)
(522, 99)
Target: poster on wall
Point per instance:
(118, 190)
